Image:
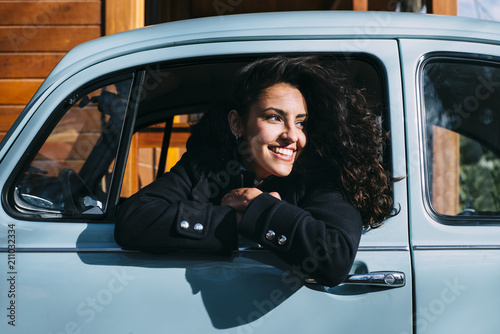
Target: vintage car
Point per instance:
(115, 113)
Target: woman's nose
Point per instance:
(290, 133)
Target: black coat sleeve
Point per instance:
(318, 237)
(174, 213)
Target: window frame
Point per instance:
(426, 186)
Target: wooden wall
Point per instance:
(34, 36)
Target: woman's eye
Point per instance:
(301, 124)
(275, 118)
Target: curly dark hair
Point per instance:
(345, 139)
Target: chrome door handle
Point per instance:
(388, 279)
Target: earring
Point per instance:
(236, 137)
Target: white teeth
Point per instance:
(283, 151)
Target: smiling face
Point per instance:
(274, 131)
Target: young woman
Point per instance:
(293, 165)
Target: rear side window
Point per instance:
(461, 117)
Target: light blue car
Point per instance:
(433, 268)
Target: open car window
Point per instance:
(70, 173)
(177, 96)
(78, 166)
(462, 141)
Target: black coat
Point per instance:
(310, 228)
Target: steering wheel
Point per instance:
(75, 192)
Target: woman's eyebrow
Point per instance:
(283, 113)
(279, 111)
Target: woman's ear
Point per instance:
(235, 123)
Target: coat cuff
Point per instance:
(270, 222)
(209, 229)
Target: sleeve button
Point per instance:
(184, 225)
(270, 235)
(282, 240)
(198, 227)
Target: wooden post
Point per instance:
(123, 15)
(442, 7)
(445, 171)
(360, 4)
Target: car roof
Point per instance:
(272, 26)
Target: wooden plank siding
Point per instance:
(45, 38)
(34, 36)
(51, 12)
(9, 114)
(29, 65)
(18, 91)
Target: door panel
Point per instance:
(133, 292)
(72, 278)
(455, 243)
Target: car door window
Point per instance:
(70, 173)
(175, 97)
(462, 141)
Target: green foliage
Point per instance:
(479, 177)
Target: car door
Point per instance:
(454, 183)
(65, 274)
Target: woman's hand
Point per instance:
(275, 194)
(238, 199)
